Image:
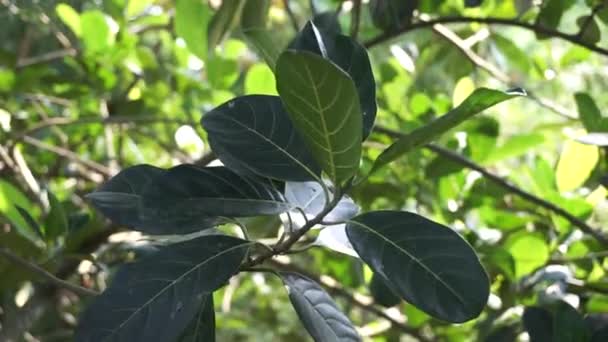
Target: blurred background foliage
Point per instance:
(88, 87)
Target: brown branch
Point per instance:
(455, 157)
(68, 155)
(334, 287)
(356, 19)
(572, 38)
(8, 254)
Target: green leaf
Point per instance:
(254, 14)
(155, 298)
(390, 15)
(260, 80)
(95, 32)
(589, 29)
(529, 251)
(119, 198)
(427, 264)
(309, 197)
(56, 222)
(383, 294)
(538, 323)
(317, 311)
(515, 146)
(265, 43)
(321, 36)
(322, 102)
(33, 225)
(222, 72)
(189, 194)
(576, 163)
(70, 17)
(10, 197)
(480, 100)
(568, 324)
(259, 125)
(223, 21)
(590, 114)
(191, 18)
(202, 327)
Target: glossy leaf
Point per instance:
(321, 100)
(155, 298)
(322, 37)
(191, 18)
(254, 135)
(427, 264)
(390, 15)
(202, 327)
(310, 198)
(478, 101)
(188, 194)
(538, 322)
(317, 311)
(119, 199)
(382, 294)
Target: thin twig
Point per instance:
(575, 221)
(292, 17)
(8, 254)
(487, 20)
(356, 19)
(65, 153)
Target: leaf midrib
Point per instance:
(196, 267)
(416, 260)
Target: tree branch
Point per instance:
(455, 157)
(572, 38)
(8, 254)
(356, 19)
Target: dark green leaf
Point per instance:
(265, 43)
(254, 14)
(383, 294)
(317, 311)
(590, 114)
(223, 21)
(119, 199)
(390, 15)
(202, 327)
(191, 18)
(56, 222)
(478, 101)
(34, 226)
(322, 102)
(310, 198)
(427, 264)
(568, 324)
(321, 36)
(551, 13)
(155, 298)
(538, 322)
(589, 29)
(188, 194)
(259, 125)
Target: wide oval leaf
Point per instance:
(427, 264)
(202, 327)
(322, 37)
(155, 298)
(317, 311)
(254, 134)
(119, 198)
(322, 102)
